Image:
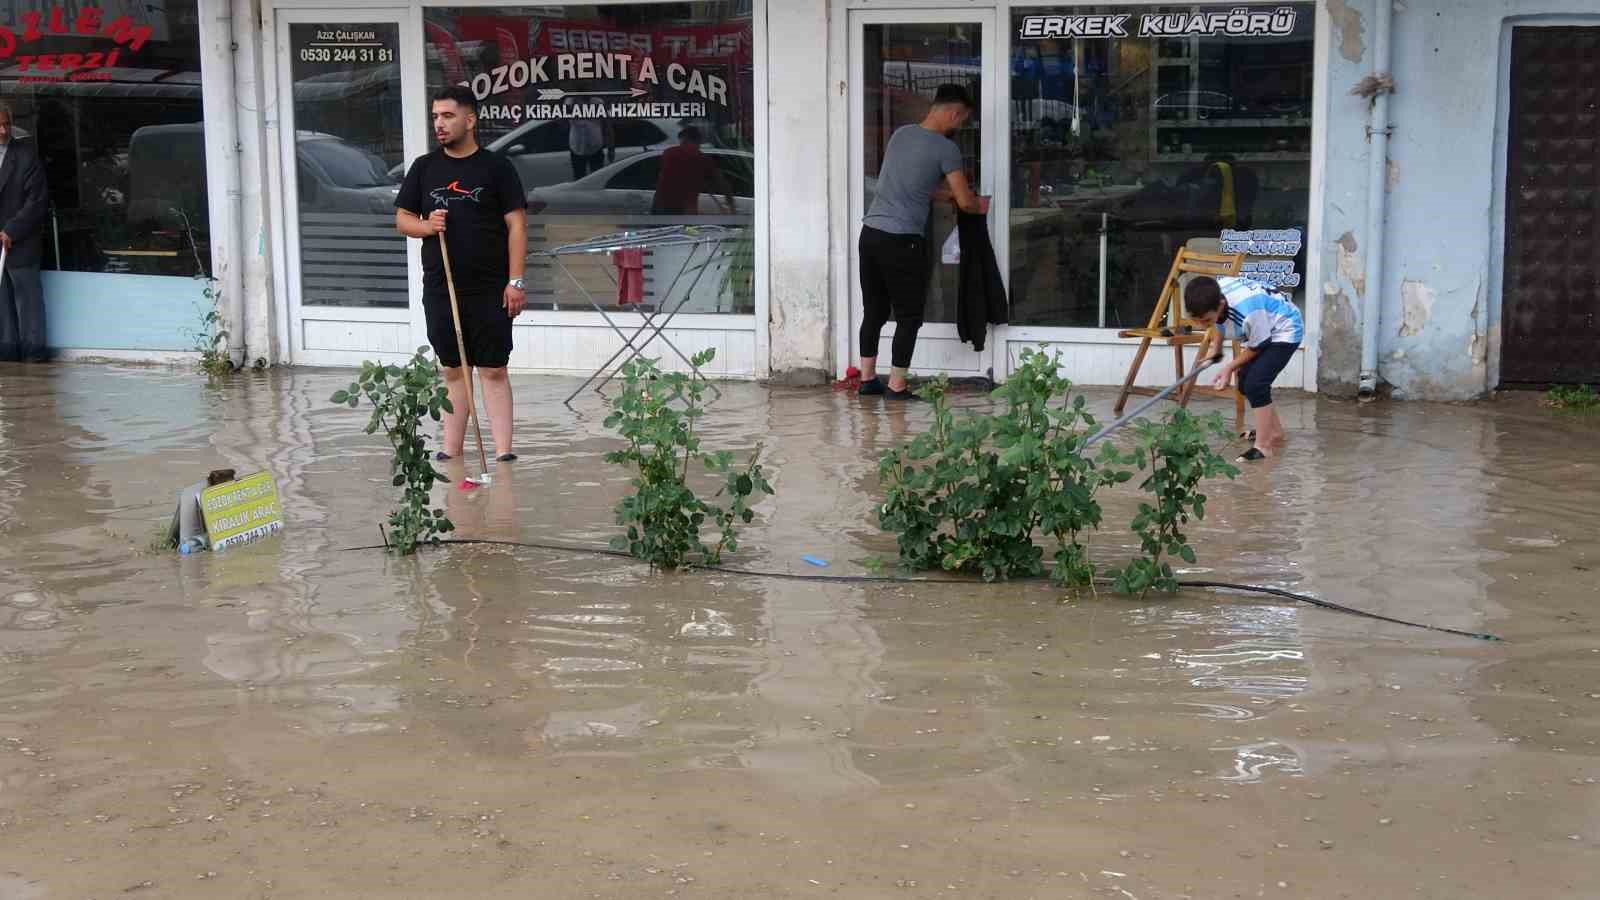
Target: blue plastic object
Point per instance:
(819, 563)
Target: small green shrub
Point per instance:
(1580, 399)
(401, 396)
(211, 337)
(665, 520)
(969, 494)
(1178, 456)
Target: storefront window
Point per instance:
(110, 95)
(349, 159)
(1137, 130)
(616, 117)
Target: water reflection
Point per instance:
(1251, 762)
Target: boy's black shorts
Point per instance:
(1255, 378)
(485, 329)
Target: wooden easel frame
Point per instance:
(1178, 331)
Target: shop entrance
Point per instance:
(898, 59)
(344, 153)
(1552, 265)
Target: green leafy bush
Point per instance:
(1178, 456)
(665, 520)
(1580, 399)
(969, 494)
(401, 396)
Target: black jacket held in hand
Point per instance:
(981, 298)
(23, 204)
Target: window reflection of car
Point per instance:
(335, 175)
(628, 187)
(166, 176)
(1202, 104)
(541, 149)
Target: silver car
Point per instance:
(628, 187)
(541, 149)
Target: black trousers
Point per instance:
(22, 337)
(894, 280)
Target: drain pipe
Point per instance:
(1378, 131)
(219, 107)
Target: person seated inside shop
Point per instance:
(686, 172)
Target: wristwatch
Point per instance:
(516, 283)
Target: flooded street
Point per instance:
(294, 718)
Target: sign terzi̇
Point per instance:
(88, 22)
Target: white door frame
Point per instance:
(990, 175)
(407, 20)
(842, 197)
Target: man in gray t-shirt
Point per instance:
(920, 165)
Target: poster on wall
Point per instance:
(1270, 255)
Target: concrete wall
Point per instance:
(100, 311)
(1439, 297)
(797, 147)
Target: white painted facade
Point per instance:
(807, 210)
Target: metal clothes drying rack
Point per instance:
(657, 317)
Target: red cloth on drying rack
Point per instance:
(630, 275)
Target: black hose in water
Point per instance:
(893, 579)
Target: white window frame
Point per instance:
(416, 138)
(999, 73)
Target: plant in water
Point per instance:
(1178, 456)
(211, 338)
(969, 494)
(401, 397)
(656, 414)
(1580, 399)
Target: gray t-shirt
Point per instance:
(914, 163)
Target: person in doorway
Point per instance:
(686, 171)
(920, 165)
(23, 203)
(471, 197)
(1269, 326)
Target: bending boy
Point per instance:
(1270, 327)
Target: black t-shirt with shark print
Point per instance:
(478, 191)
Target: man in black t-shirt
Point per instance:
(479, 194)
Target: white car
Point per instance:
(628, 187)
(541, 149)
(337, 176)
(166, 162)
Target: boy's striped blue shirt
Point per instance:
(1258, 316)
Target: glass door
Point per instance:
(344, 91)
(898, 60)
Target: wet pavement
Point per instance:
(296, 719)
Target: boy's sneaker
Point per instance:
(906, 394)
(872, 388)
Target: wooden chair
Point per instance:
(1178, 332)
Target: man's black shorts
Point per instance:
(485, 329)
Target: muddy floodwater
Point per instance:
(294, 718)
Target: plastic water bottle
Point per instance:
(192, 545)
